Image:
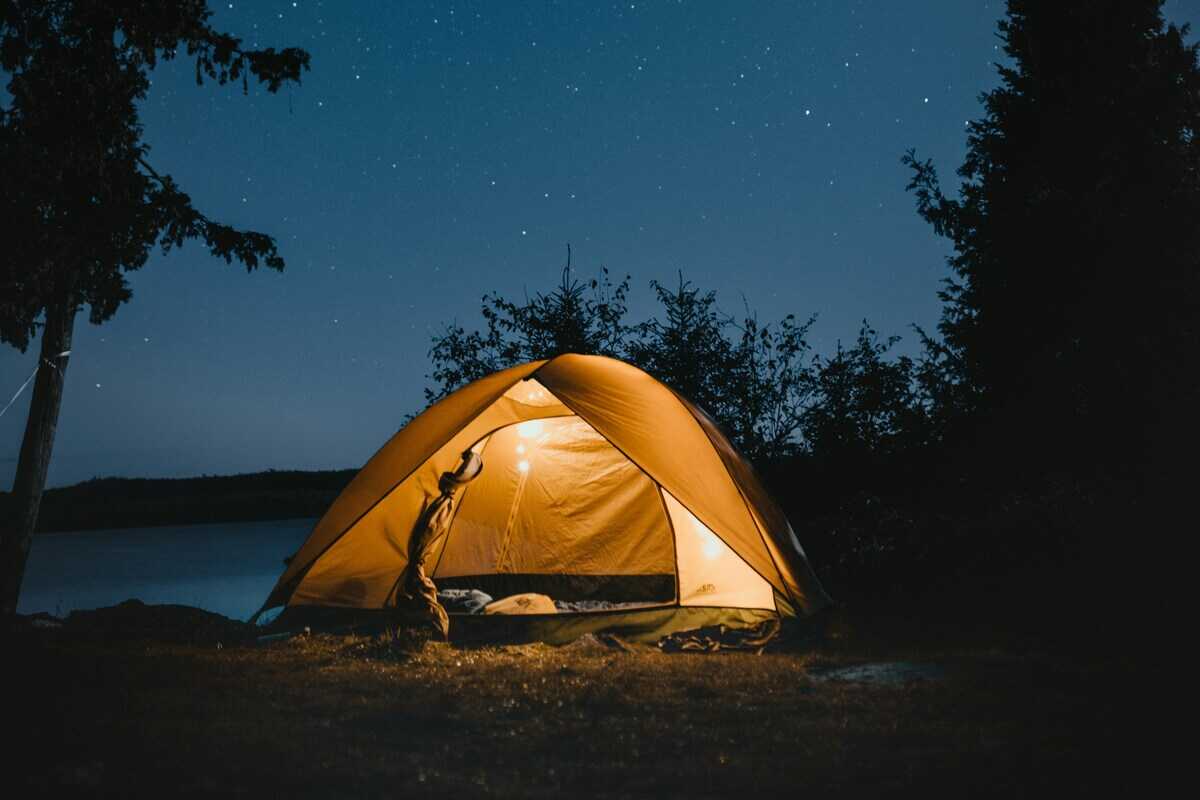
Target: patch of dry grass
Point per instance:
(322, 716)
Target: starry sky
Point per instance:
(441, 150)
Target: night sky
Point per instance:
(438, 151)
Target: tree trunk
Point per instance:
(16, 533)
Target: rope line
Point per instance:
(48, 363)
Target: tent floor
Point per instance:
(642, 625)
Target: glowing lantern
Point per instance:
(530, 428)
(711, 546)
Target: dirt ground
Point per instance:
(861, 714)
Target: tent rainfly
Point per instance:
(579, 477)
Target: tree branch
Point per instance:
(179, 220)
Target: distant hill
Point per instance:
(143, 502)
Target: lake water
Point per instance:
(227, 568)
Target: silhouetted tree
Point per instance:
(687, 348)
(769, 388)
(576, 317)
(754, 380)
(868, 409)
(81, 202)
(1070, 318)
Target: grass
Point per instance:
(323, 716)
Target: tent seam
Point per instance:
(674, 539)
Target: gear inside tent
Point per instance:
(553, 499)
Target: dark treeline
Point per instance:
(762, 382)
(1037, 446)
(142, 502)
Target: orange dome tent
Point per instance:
(597, 482)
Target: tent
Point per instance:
(579, 477)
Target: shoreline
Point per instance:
(175, 525)
(126, 503)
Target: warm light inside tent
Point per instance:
(709, 572)
(532, 393)
(530, 429)
(710, 545)
(570, 503)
